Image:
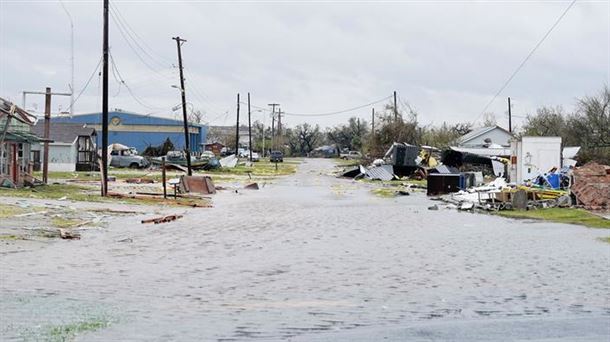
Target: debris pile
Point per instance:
(591, 186)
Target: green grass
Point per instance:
(261, 168)
(68, 332)
(54, 191)
(560, 215)
(7, 210)
(61, 222)
(83, 194)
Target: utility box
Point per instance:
(533, 156)
(444, 183)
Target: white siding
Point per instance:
(62, 157)
(497, 136)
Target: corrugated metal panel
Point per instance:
(382, 172)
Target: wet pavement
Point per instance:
(312, 257)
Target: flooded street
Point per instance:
(312, 257)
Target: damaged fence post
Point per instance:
(163, 177)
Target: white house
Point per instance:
(73, 147)
(492, 136)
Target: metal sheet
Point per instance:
(383, 172)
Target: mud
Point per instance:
(308, 257)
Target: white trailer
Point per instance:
(532, 156)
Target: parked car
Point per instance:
(255, 157)
(351, 155)
(276, 157)
(127, 158)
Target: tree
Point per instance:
(350, 136)
(196, 116)
(548, 121)
(303, 138)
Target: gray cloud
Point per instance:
(447, 59)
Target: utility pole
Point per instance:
(372, 128)
(273, 105)
(105, 103)
(47, 123)
(510, 123)
(395, 109)
(249, 128)
(279, 123)
(237, 130)
(187, 138)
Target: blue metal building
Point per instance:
(140, 131)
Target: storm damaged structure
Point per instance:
(16, 139)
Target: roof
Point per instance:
(21, 115)
(22, 137)
(63, 132)
(124, 118)
(480, 131)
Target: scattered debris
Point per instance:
(252, 186)
(68, 235)
(197, 184)
(229, 161)
(162, 219)
(434, 207)
(140, 180)
(592, 186)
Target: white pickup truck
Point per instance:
(351, 155)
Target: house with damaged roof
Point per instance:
(16, 139)
(72, 147)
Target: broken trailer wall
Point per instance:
(533, 156)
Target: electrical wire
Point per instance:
(161, 60)
(135, 51)
(526, 59)
(122, 80)
(327, 113)
(87, 83)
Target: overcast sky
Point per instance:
(447, 59)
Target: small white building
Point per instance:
(72, 147)
(492, 136)
(533, 156)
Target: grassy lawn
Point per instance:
(261, 168)
(80, 193)
(560, 215)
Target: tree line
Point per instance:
(588, 126)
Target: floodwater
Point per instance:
(312, 257)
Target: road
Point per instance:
(314, 258)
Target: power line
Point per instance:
(122, 81)
(329, 113)
(159, 57)
(87, 83)
(526, 59)
(122, 30)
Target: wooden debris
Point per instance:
(140, 180)
(162, 219)
(69, 235)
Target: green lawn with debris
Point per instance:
(560, 215)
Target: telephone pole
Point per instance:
(237, 130)
(273, 105)
(249, 128)
(373, 126)
(105, 103)
(279, 129)
(395, 109)
(187, 143)
(47, 122)
(510, 123)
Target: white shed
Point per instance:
(486, 137)
(533, 156)
(73, 147)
